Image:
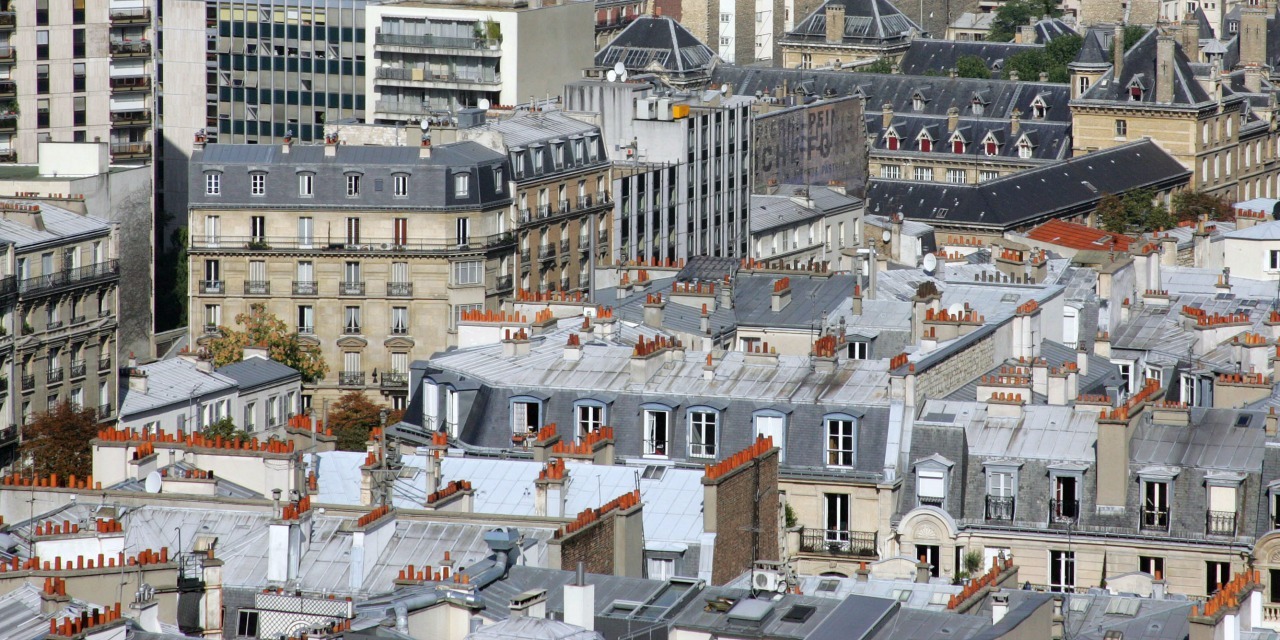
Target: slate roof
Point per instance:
(773, 211)
(1048, 140)
(1061, 189)
(1048, 29)
(865, 22)
(172, 382)
(810, 298)
(253, 372)
(927, 55)
(659, 42)
(59, 226)
(1140, 68)
(1078, 236)
(1095, 51)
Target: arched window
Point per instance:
(657, 428)
(842, 439)
(589, 414)
(772, 423)
(527, 413)
(704, 431)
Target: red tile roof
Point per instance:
(1078, 236)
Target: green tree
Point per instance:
(1017, 13)
(226, 427)
(881, 65)
(171, 283)
(57, 441)
(972, 67)
(265, 329)
(1191, 205)
(1064, 49)
(352, 418)
(1134, 212)
(1028, 64)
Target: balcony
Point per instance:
(412, 77)
(104, 363)
(53, 376)
(854, 544)
(603, 238)
(1154, 519)
(8, 121)
(395, 380)
(8, 156)
(53, 282)
(563, 207)
(139, 15)
(78, 368)
(129, 118)
(524, 255)
(8, 20)
(210, 328)
(602, 197)
(77, 319)
(402, 107)
(544, 211)
(584, 201)
(130, 48)
(1063, 512)
(126, 150)
(365, 246)
(399, 288)
(346, 288)
(8, 54)
(504, 283)
(546, 252)
(213, 287)
(305, 287)
(8, 89)
(447, 46)
(351, 379)
(128, 84)
(1220, 523)
(1000, 508)
(52, 325)
(28, 382)
(564, 246)
(257, 287)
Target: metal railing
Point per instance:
(78, 368)
(136, 15)
(28, 382)
(304, 287)
(1220, 523)
(257, 287)
(351, 378)
(584, 201)
(130, 83)
(77, 319)
(366, 245)
(130, 49)
(433, 42)
(351, 329)
(524, 254)
(836, 542)
(544, 210)
(564, 246)
(487, 76)
(306, 329)
(58, 279)
(53, 376)
(104, 411)
(104, 363)
(402, 106)
(213, 286)
(351, 288)
(1154, 519)
(137, 116)
(399, 288)
(8, 19)
(1000, 508)
(395, 379)
(130, 149)
(52, 324)
(8, 88)
(546, 252)
(210, 328)
(563, 207)
(504, 283)
(399, 330)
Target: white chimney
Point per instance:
(580, 602)
(531, 603)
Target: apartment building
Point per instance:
(562, 213)
(58, 326)
(77, 71)
(432, 57)
(682, 181)
(370, 253)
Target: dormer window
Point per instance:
(957, 143)
(1135, 91)
(925, 142)
(977, 107)
(1025, 148)
(891, 140)
(917, 102)
(1038, 108)
(990, 146)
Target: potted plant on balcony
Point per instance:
(972, 566)
(10, 109)
(493, 32)
(258, 244)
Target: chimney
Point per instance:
(545, 440)
(288, 142)
(999, 607)
(580, 602)
(1200, 245)
(781, 296)
(1253, 78)
(424, 151)
(285, 540)
(137, 380)
(549, 490)
(1026, 33)
(1168, 250)
(515, 345)
(835, 23)
(923, 571)
(148, 612)
(725, 293)
(1117, 51)
(1115, 427)
(1015, 122)
(1164, 69)
(200, 139)
(1191, 37)
(211, 604)
(330, 145)
(531, 603)
(654, 308)
(953, 119)
(1271, 423)
(1159, 588)
(1253, 36)
(1082, 360)
(886, 115)
(369, 538)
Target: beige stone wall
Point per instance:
(810, 56)
(582, 227)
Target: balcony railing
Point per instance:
(860, 544)
(351, 288)
(8, 19)
(104, 411)
(564, 207)
(434, 42)
(306, 329)
(304, 288)
(130, 16)
(53, 324)
(136, 116)
(366, 245)
(1000, 508)
(1154, 519)
(399, 288)
(564, 246)
(546, 252)
(257, 287)
(524, 255)
(53, 376)
(395, 380)
(351, 329)
(584, 201)
(130, 149)
(28, 382)
(210, 328)
(77, 368)
(399, 330)
(487, 76)
(931, 501)
(8, 88)
(8, 53)
(131, 83)
(351, 378)
(213, 287)
(130, 49)
(8, 155)
(104, 363)
(59, 279)
(504, 283)
(79, 319)
(1220, 523)
(544, 211)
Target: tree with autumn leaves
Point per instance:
(264, 329)
(354, 416)
(57, 441)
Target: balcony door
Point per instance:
(836, 506)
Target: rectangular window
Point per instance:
(655, 432)
(1155, 505)
(525, 417)
(258, 227)
(984, 176)
(351, 320)
(890, 171)
(306, 231)
(1062, 571)
(773, 427)
(957, 176)
(258, 184)
(306, 184)
(469, 272)
(931, 487)
(400, 230)
(42, 79)
(463, 230)
(835, 508)
(273, 404)
(661, 568)
(1188, 390)
(250, 416)
(42, 44)
(400, 272)
(306, 319)
(858, 350)
(401, 183)
(590, 419)
(1223, 505)
(1152, 566)
(353, 230)
(1065, 504)
(1000, 495)
(1216, 575)
(212, 184)
(399, 320)
(841, 439)
(461, 185)
(924, 174)
(702, 434)
(1122, 128)
(1273, 261)
(353, 185)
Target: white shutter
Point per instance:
(1222, 499)
(931, 484)
(770, 427)
(431, 406)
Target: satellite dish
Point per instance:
(424, 125)
(886, 236)
(930, 263)
(483, 104)
(956, 309)
(622, 77)
(612, 76)
(153, 482)
(619, 69)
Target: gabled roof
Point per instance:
(656, 41)
(1140, 66)
(865, 22)
(929, 55)
(1052, 139)
(1078, 236)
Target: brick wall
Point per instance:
(954, 372)
(592, 546)
(740, 517)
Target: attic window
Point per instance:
(977, 106)
(828, 585)
(991, 147)
(957, 144)
(926, 143)
(1135, 91)
(1024, 148)
(891, 140)
(1038, 108)
(653, 472)
(917, 102)
(798, 613)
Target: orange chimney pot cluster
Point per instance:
(370, 517)
(588, 444)
(453, 487)
(589, 516)
(493, 316)
(649, 347)
(758, 448)
(198, 440)
(988, 579)
(88, 620)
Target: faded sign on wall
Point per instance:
(816, 144)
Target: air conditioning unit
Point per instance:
(762, 580)
(386, 246)
(646, 108)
